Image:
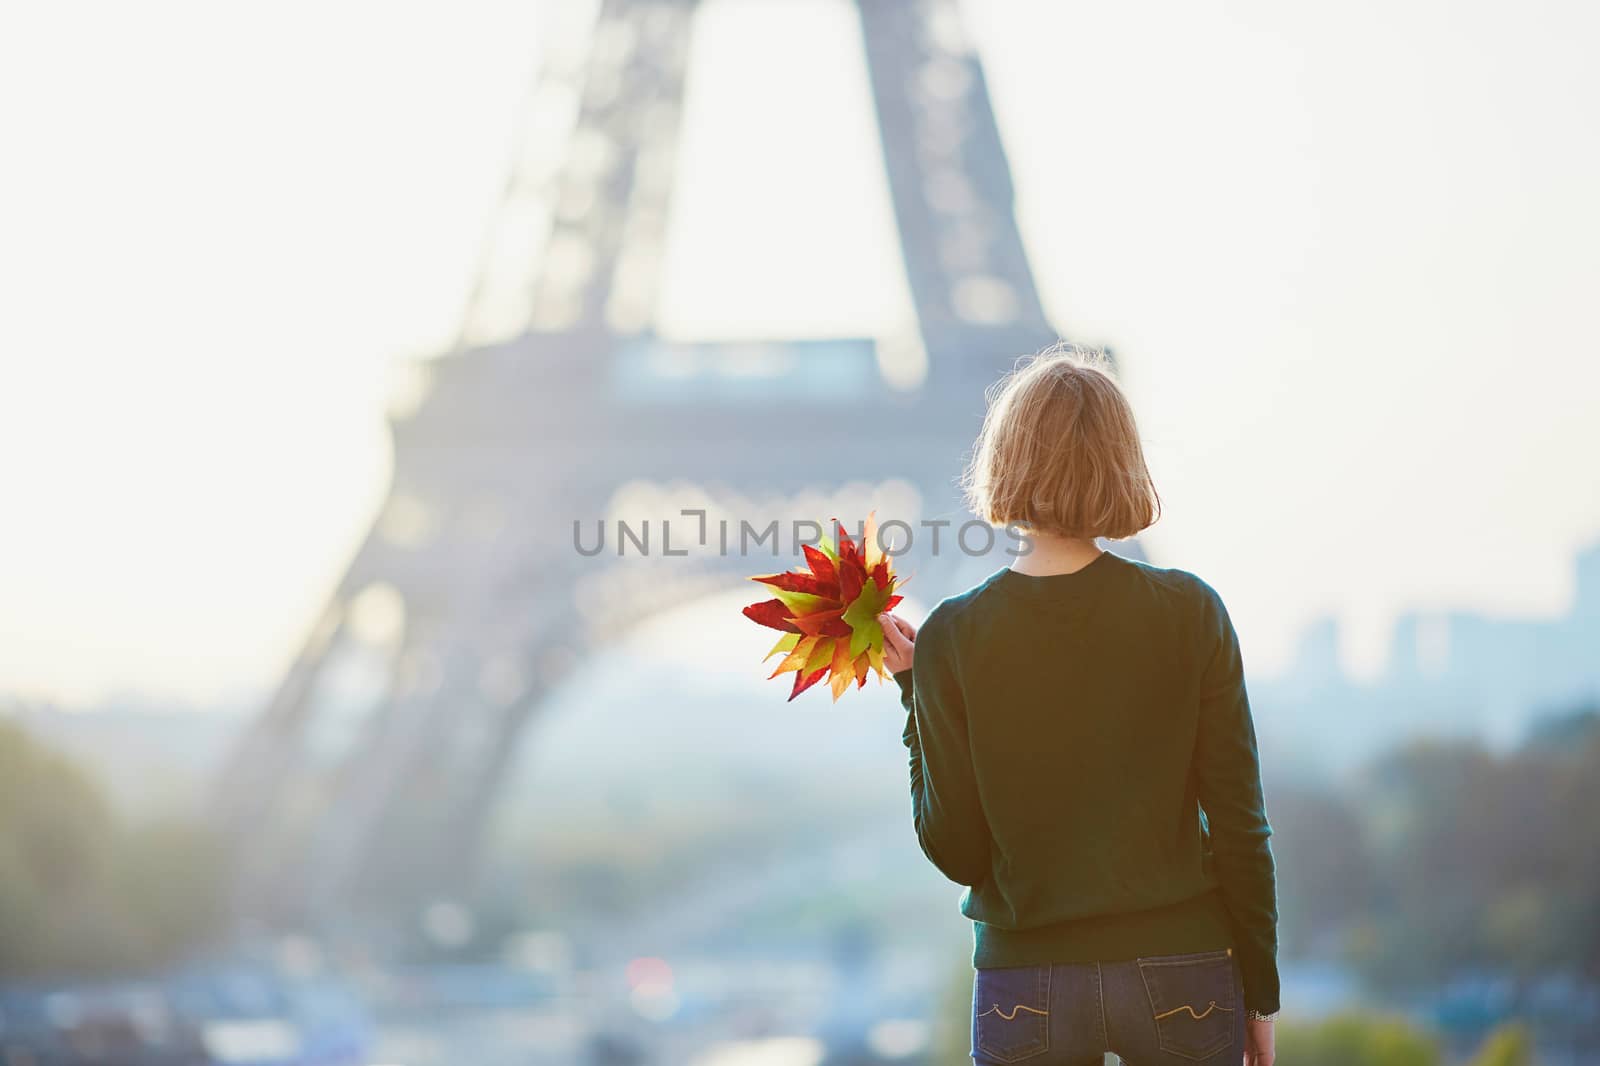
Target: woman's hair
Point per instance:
(1059, 452)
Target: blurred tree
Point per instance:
(169, 874)
(55, 838)
(1324, 879)
(81, 893)
(951, 1038)
(1565, 730)
(1477, 862)
(1356, 1040)
(1509, 1045)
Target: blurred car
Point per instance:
(214, 1016)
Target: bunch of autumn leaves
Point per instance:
(828, 613)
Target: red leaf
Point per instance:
(772, 614)
(803, 681)
(821, 565)
(852, 576)
(847, 547)
(796, 581)
(880, 573)
(892, 602)
(829, 623)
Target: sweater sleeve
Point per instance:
(1229, 777)
(945, 808)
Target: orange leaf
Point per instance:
(842, 669)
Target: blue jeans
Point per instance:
(1165, 1010)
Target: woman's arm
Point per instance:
(1229, 774)
(945, 808)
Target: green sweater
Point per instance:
(1083, 759)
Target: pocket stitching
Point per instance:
(1029, 1050)
(1211, 1006)
(995, 1009)
(1161, 1039)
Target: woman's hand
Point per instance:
(1258, 1049)
(899, 642)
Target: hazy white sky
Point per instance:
(1347, 255)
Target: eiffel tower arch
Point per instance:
(369, 775)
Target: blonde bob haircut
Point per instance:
(1059, 451)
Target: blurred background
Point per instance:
(322, 742)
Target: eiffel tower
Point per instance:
(367, 780)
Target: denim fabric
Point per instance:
(1165, 1010)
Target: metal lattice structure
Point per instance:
(371, 773)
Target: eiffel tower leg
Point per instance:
(976, 301)
(387, 769)
(410, 798)
(254, 772)
(455, 851)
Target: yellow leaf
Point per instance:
(875, 658)
(821, 654)
(797, 656)
(785, 643)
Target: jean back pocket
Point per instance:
(1011, 1012)
(1191, 1002)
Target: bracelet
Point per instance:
(1257, 1016)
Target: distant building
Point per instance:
(1503, 670)
(1448, 672)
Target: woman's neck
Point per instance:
(1053, 554)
